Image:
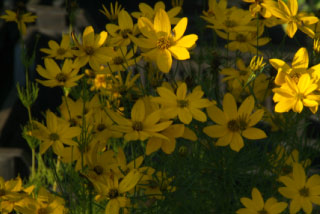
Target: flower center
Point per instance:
(182, 103)
(125, 32)
(304, 192)
(101, 127)
(295, 76)
(61, 77)
(230, 23)
(54, 136)
(263, 211)
(98, 169)
(118, 60)
(137, 126)
(300, 96)
(2, 192)
(163, 43)
(89, 51)
(242, 122)
(241, 38)
(113, 193)
(233, 126)
(61, 51)
(42, 211)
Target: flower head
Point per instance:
(20, 18)
(112, 15)
(59, 51)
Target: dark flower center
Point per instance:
(113, 193)
(125, 32)
(263, 211)
(163, 43)
(54, 137)
(89, 51)
(304, 192)
(2, 192)
(137, 126)
(98, 169)
(182, 103)
(118, 60)
(61, 51)
(42, 211)
(233, 126)
(230, 23)
(101, 127)
(241, 38)
(61, 77)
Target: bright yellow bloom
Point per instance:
(294, 20)
(213, 7)
(302, 191)
(233, 124)
(119, 33)
(65, 77)
(55, 134)
(260, 6)
(114, 11)
(59, 51)
(114, 191)
(20, 18)
(141, 126)
(91, 50)
(149, 12)
(256, 205)
(185, 106)
(292, 95)
(162, 43)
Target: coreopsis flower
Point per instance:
(91, 50)
(56, 76)
(256, 205)
(55, 134)
(233, 124)
(231, 20)
(298, 67)
(213, 6)
(112, 15)
(116, 191)
(45, 203)
(185, 106)
(140, 126)
(167, 146)
(122, 59)
(302, 191)
(119, 33)
(161, 43)
(288, 13)
(261, 7)
(150, 13)
(244, 41)
(292, 95)
(72, 111)
(57, 51)
(20, 18)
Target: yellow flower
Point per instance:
(292, 95)
(59, 51)
(20, 18)
(232, 124)
(99, 82)
(260, 6)
(114, 11)
(256, 205)
(162, 42)
(294, 20)
(149, 12)
(213, 7)
(11, 191)
(91, 50)
(302, 191)
(55, 134)
(185, 106)
(244, 41)
(120, 33)
(114, 191)
(65, 77)
(141, 126)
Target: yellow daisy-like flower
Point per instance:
(119, 33)
(141, 126)
(65, 77)
(302, 191)
(149, 12)
(59, 51)
(292, 95)
(112, 15)
(20, 18)
(162, 43)
(233, 124)
(185, 106)
(294, 20)
(91, 50)
(256, 205)
(55, 134)
(260, 6)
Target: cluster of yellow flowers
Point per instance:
(118, 93)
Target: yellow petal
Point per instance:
(164, 61)
(153, 145)
(216, 115)
(254, 133)
(162, 22)
(237, 142)
(138, 111)
(257, 198)
(230, 106)
(293, 7)
(215, 131)
(182, 91)
(88, 36)
(299, 175)
(187, 41)
(129, 181)
(125, 20)
(180, 53)
(180, 28)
